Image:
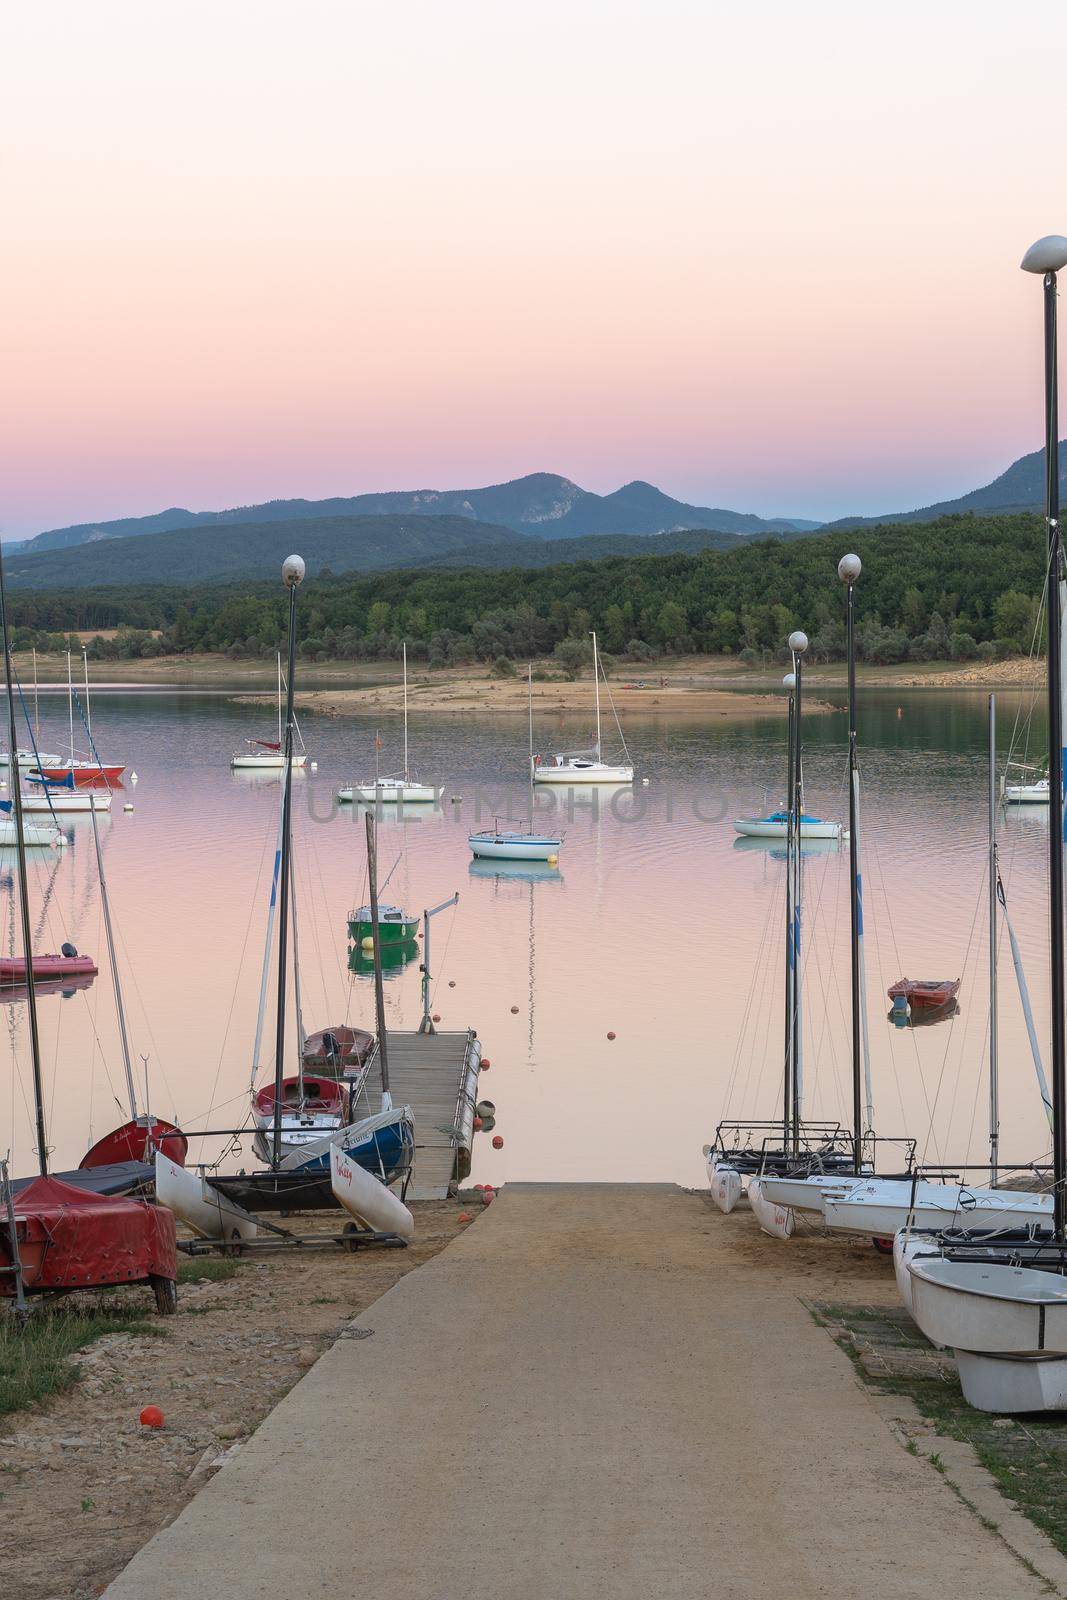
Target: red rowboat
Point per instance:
(13, 968)
(322, 1097)
(138, 1141)
(926, 994)
(68, 1239)
(87, 775)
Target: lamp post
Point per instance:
(292, 576)
(1045, 258)
(789, 682)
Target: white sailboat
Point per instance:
(1007, 1320)
(269, 755)
(585, 766)
(402, 789)
(518, 844)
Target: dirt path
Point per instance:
(85, 1485)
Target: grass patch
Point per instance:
(213, 1269)
(35, 1358)
(1026, 1456)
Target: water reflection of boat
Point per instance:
(12, 993)
(530, 871)
(390, 812)
(923, 1017)
(775, 848)
(395, 957)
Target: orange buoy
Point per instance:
(464, 1216)
(485, 1062)
(498, 1143)
(488, 1196)
(477, 1124)
(478, 1187)
(437, 1016)
(451, 983)
(514, 1011)
(611, 1036)
(151, 1417)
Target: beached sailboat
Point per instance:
(404, 788)
(586, 766)
(56, 1237)
(268, 754)
(519, 844)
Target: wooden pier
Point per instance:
(436, 1074)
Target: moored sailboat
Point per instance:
(586, 766)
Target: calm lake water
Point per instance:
(660, 926)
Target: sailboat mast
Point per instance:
(798, 644)
(24, 893)
(379, 988)
(36, 701)
(292, 574)
(131, 1088)
(405, 649)
(994, 1040)
(787, 1087)
(596, 681)
(70, 709)
(1055, 763)
(848, 570)
(301, 1036)
(529, 719)
(279, 699)
(88, 711)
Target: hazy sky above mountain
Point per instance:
(762, 255)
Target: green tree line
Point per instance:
(960, 588)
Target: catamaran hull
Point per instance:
(495, 847)
(805, 1194)
(192, 1199)
(725, 1182)
(779, 1221)
(887, 1207)
(368, 1201)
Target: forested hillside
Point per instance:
(959, 587)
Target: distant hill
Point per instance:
(542, 504)
(212, 555)
(1020, 488)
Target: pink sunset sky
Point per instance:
(764, 255)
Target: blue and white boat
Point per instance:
(382, 1144)
(776, 826)
(514, 845)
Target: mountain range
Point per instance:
(536, 521)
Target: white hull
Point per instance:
(513, 847)
(807, 1194)
(369, 1201)
(988, 1309)
(387, 793)
(725, 1184)
(68, 801)
(271, 763)
(585, 772)
(908, 1247)
(26, 758)
(300, 1137)
(757, 828)
(1026, 794)
(197, 1204)
(33, 834)
(778, 1221)
(882, 1206)
(1013, 1383)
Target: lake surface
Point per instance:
(660, 926)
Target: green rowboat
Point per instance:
(394, 925)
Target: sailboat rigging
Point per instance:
(402, 788)
(586, 766)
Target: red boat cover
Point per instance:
(138, 1141)
(86, 1241)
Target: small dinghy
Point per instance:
(68, 964)
(394, 925)
(332, 1049)
(925, 994)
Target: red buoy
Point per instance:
(485, 1062)
(477, 1124)
(611, 1036)
(437, 1016)
(478, 1187)
(151, 1417)
(514, 1011)
(465, 1216)
(451, 983)
(488, 1196)
(498, 1143)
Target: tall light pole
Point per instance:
(1047, 257)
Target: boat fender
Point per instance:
(68, 950)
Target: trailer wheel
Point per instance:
(166, 1293)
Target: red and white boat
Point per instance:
(138, 1140)
(13, 968)
(69, 1239)
(925, 994)
(87, 775)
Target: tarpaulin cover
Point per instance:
(73, 1240)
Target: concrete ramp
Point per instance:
(577, 1401)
